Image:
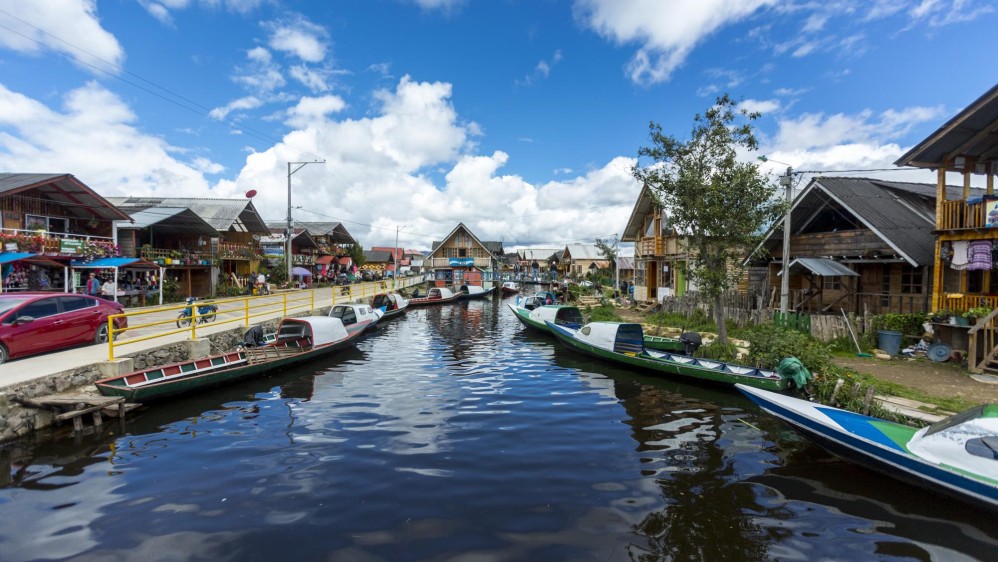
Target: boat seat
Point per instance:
(986, 447)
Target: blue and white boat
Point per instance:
(957, 456)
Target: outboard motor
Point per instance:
(691, 342)
(254, 337)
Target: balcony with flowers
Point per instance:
(37, 241)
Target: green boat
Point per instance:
(564, 315)
(298, 340)
(662, 343)
(623, 343)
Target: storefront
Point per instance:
(135, 282)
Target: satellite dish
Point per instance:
(251, 194)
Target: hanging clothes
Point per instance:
(979, 254)
(946, 253)
(960, 257)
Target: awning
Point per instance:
(821, 266)
(134, 263)
(325, 260)
(9, 257)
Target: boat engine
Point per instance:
(691, 342)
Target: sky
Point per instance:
(520, 118)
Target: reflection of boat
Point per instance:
(475, 292)
(392, 305)
(623, 343)
(510, 288)
(436, 295)
(298, 340)
(538, 316)
(957, 455)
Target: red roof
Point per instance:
(325, 260)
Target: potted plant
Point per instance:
(974, 314)
(941, 315)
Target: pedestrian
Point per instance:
(93, 285)
(107, 290)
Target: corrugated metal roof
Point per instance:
(78, 199)
(583, 251)
(529, 254)
(170, 219)
(624, 263)
(970, 133)
(377, 256)
(222, 214)
(334, 230)
(822, 266)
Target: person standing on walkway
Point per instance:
(93, 286)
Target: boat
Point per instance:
(436, 295)
(392, 305)
(475, 292)
(298, 340)
(531, 302)
(663, 343)
(538, 316)
(356, 313)
(510, 288)
(957, 455)
(623, 343)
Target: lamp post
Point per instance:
(786, 181)
(287, 248)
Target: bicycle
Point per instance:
(206, 313)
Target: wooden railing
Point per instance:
(657, 246)
(959, 214)
(981, 342)
(961, 302)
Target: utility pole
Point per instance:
(395, 255)
(289, 231)
(786, 181)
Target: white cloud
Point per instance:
(241, 104)
(261, 74)
(762, 106)
(541, 70)
(298, 37)
(666, 31)
(314, 79)
(443, 5)
(70, 27)
(310, 110)
(206, 166)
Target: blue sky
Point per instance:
(520, 118)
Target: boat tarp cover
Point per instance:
(323, 328)
(618, 337)
(792, 368)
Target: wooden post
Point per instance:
(835, 391)
(867, 401)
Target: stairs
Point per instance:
(647, 307)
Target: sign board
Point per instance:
(270, 249)
(70, 246)
(462, 261)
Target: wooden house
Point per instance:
(583, 259)
(461, 258)
(660, 256)
(858, 244)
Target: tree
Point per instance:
(608, 249)
(357, 254)
(717, 204)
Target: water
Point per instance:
(457, 435)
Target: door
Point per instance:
(680, 282)
(45, 332)
(652, 280)
(80, 316)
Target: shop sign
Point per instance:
(70, 246)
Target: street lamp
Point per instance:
(786, 180)
(287, 248)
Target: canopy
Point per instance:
(35, 259)
(619, 337)
(822, 266)
(136, 263)
(301, 272)
(325, 260)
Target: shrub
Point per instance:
(719, 351)
(770, 344)
(602, 313)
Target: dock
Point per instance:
(75, 407)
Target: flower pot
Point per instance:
(169, 261)
(962, 321)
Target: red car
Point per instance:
(38, 322)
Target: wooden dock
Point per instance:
(75, 407)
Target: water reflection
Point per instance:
(455, 434)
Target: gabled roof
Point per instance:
(495, 248)
(301, 237)
(625, 263)
(63, 189)
(901, 214)
(375, 256)
(972, 133)
(334, 230)
(460, 226)
(537, 254)
(393, 253)
(170, 221)
(642, 207)
(224, 215)
(582, 252)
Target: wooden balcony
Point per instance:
(57, 243)
(958, 214)
(443, 263)
(235, 251)
(657, 246)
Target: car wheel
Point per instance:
(4, 355)
(100, 336)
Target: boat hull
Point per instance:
(649, 365)
(662, 343)
(876, 444)
(427, 301)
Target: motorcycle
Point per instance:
(206, 313)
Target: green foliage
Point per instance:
(357, 254)
(770, 344)
(908, 324)
(171, 291)
(720, 204)
(977, 312)
(602, 313)
(719, 351)
(279, 273)
(697, 322)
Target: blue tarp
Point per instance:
(8, 257)
(106, 262)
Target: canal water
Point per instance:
(457, 435)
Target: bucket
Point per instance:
(889, 342)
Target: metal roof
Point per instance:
(583, 252)
(377, 256)
(63, 189)
(334, 230)
(625, 263)
(224, 215)
(460, 226)
(644, 205)
(972, 133)
(821, 266)
(170, 220)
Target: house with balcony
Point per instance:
(966, 220)
(234, 249)
(461, 258)
(856, 244)
(661, 256)
(304, 248)
(49, 221)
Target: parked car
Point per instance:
(38, 322)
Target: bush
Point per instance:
(770, 344)
(719, 351)
(602, 313)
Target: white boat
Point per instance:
(391, 305)
(957, 455)
(475, 292)
(356, 313)
(510, 288)
(436, 295)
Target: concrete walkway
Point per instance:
(19, 371)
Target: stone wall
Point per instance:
(17, 420)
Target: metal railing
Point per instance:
(239, 310)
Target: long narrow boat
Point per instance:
(392, 305)
(663, 343)
(510, 288)
(537, 317)
(474, 292)
(957, 456)
(623, 343)
(298, 340)
(436, 295)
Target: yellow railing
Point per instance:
(958, 214)
(240, 309)
(959, 302)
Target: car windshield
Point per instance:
(8, 303)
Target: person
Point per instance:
(43, 281)
(93, 285)
(107, 290)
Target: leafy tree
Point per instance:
(717, 203)
(357, 254)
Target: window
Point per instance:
(831, 283)
(70, 304)
(912, 279)
(639, 273)
(40, 308)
